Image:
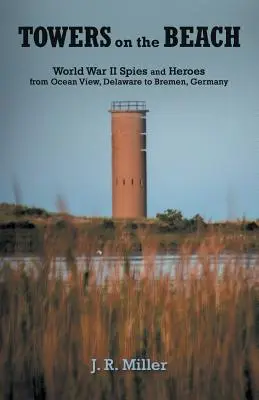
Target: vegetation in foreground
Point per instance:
(204, 325)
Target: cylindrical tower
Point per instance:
(129, 172)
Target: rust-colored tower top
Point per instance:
(129, 172)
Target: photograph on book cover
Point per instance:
(129, 219)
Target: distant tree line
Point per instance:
(17, 210)
(19, 227)
(172, 220)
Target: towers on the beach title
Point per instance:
(90, 36)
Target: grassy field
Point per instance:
(205, 327)
(169, 235)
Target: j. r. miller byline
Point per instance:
(132, 364)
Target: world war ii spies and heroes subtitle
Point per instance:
(89, 36)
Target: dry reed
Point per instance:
(205, 325)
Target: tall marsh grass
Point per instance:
(204, 325)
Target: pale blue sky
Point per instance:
(202, 142)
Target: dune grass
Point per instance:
(204, 325)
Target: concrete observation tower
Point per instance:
(129, 171)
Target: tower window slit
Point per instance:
(132, 181)
(123, 181)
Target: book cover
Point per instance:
(129, 143)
